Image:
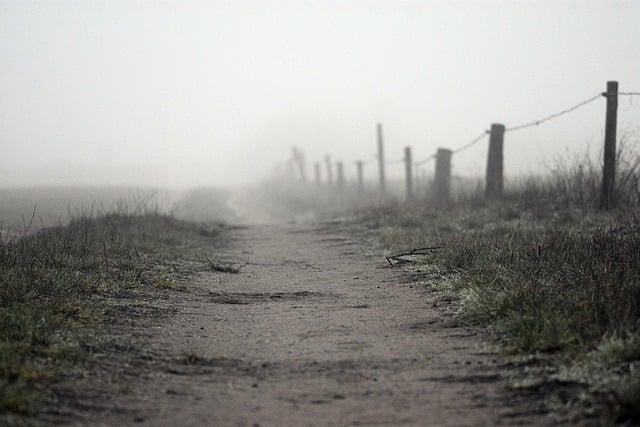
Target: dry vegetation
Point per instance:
(55, 289)
(554, 280)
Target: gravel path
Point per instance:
(311, 332)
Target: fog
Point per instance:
(185, 93)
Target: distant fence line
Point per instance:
(494, 179)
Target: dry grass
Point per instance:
(555, 280)
(53, 285)
(557, 286)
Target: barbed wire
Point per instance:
(471, 143)
(530, 124)
(423, 161)
(509, 129)
(630, 95)
(554, 115)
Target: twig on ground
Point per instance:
(418, 251)
(217, 265)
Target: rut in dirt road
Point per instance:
(311, 332)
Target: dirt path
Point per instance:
(311, 333)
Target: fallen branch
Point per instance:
(217, 265)
(418, 251)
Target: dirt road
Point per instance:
(311, 332)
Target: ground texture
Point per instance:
(310, 332)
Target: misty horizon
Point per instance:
(184, 94)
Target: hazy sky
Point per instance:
(177, 93)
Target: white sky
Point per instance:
(179, 93)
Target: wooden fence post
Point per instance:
(381, 158)
(316, 168)
(495, 181)
(442, 179)
(360, 166)
(407, 172)
(327, 160)
(340, 172)
(607, 198)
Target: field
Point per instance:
(553, 282)
(25, 210)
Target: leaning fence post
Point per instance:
(327, 160)
(442, 179)
(360, 166)
(381, 158)
(607, 198)
(407, 172)
(340, 173)
(494, 182)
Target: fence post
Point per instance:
(316, 169)
(494, 182)
(340, 172)
(607, 198)
(298, 159)
(381, 158)
(407, 172)
(327, 160)
(442, 179)
(360, 166)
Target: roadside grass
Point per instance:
(556, 281)
(54, 283)
(558, 286)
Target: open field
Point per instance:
(25, 210)
(319, 213)
(528, 304)
(308, 331)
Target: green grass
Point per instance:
(53, 285)
(561, 285)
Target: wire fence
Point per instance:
(534, 123)
(471, 143)
(544, 119)
(424, 161)
(554, 115)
